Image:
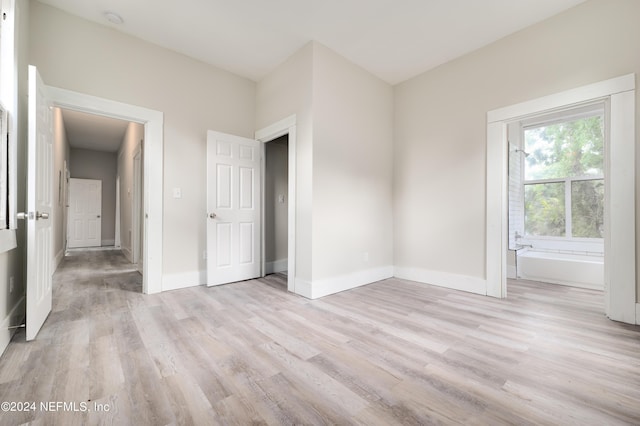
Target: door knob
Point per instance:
(212, 215)
(23, 216)
(42, 215)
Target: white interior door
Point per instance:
(39, 205)
(233, 208)
(85, 213)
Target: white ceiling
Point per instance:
(95, 132)
(393, 39)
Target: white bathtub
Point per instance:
(579, 270)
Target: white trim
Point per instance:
(638, 313)
(442, 279)
(269, 133)
(560, 100)
(108, 243)
(275, 266)
(7, 240)
(153, 170)
(620, 268)
(116, 242)
(184, 280)
(57, 259)
(126, 251)
(620, 217)
(512, 272)
(304, 288)
(135, 207)
(327, 286)
(13, 318)
(276, 130)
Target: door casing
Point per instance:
(153, 170)
(283, 127)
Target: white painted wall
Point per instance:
(344, 167)
(440, 127)
(61, 154)
(130, 144)
(85, 57)
(89, 164)
(352, 174)
(276, 204)
(284, 92)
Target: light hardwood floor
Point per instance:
(393, 352)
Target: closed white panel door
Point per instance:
(85, 213)
(233, 208)
(39, 205)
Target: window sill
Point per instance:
(7, 240)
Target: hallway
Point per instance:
(393, 352)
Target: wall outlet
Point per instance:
(11, 284)
(177, 193)
(281, 198)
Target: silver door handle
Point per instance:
(42, 215)
(212, 215)
(23, 216)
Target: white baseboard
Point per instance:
(638, 313)
(183, 280)
(127, 253)
(108, 242)
(512, 272)
(443, 279)
(13, 318)
(327, 286)
(276, 266)
(57, 259)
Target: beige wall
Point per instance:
(82, 56)
(130, 145)
(98, 165)
(352, 168)
(275, 212)
(60, 158)
(343, 165)
(440, 125)
(284, 92)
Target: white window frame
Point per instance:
(567, 242)
(9, 102)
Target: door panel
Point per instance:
(85, 213)
(39, 206)
(233, 202)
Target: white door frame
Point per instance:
(135, 208)
(117, 242)
(267, 134)
(620, 257)
(153, 170)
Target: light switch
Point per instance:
(281, 198)
(177, 193)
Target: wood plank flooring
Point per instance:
(390, 353)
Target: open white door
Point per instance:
(39, 205)
(233, 208)
(85, 213)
